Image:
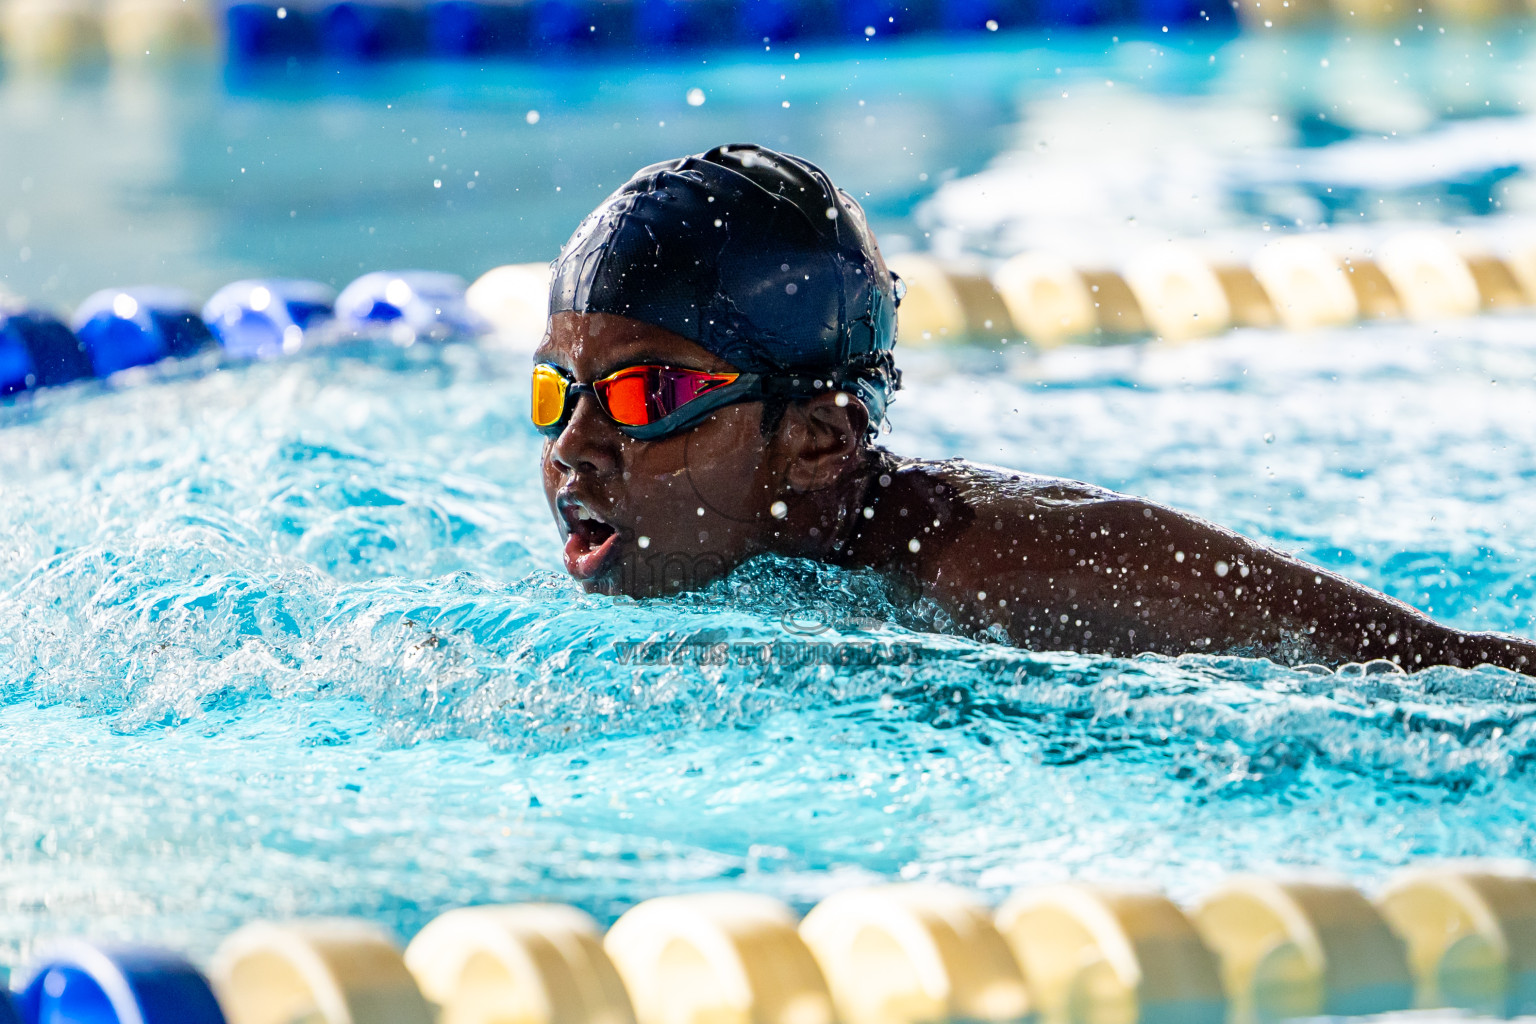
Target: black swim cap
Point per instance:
(751, 253)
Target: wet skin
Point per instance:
(1034, 561)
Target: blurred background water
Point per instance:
(1087, 142)
(293, 637)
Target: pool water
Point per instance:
(293, 637)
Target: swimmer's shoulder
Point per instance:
(973, 491)
(941, 517)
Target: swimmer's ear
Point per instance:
(820, 440)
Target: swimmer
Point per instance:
(716, 365)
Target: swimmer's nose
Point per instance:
(589, 442)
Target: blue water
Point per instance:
(294, 638)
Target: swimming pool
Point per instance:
(293, 637)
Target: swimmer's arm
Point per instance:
(1122, 575)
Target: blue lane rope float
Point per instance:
(265, 319)
(37, 351)
(126, 327)
(257, 32)
(471, 28)
(8, 1014)
(86, 984)
(372, 31)
(411, 304)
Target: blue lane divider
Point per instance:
(262, 31)
(370, 31)
(87, 984)
(469, 28)
(407, 305)
(267, 319)
(890, 17)
(387, 29)
(118, 328)
(668, 23)
(123, 327)
(37, 351)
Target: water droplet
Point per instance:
(913, 545)
(644, 542)
(778, 510)
(533, 117)
(695, 97)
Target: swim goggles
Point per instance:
(649, 402)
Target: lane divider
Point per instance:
(530, 964)
(1471, 938)
(376, 30)
(120, 328)
(1374, 15)
(717, 958)
(1453, 935)
(1302, 949)
(252, 31)
(1170, 293)
(1096, 955)
(910, 954)
(267, 319)
(322, 971)
(77, 983)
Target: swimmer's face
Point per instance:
(652, 517)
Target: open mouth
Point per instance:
(589, 541)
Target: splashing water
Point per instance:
(292, 638)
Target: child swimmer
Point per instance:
(717, 361)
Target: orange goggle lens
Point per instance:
(635, 396)
(549, 388)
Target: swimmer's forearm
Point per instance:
(1343, 621)
(1443, 645)
(1204, 588)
